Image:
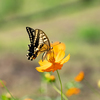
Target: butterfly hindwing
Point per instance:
(44, 43)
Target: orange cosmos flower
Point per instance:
(58, 46)
(72, 91)
(79, 77)
(52, 78)
(55, 59)
(28, 99)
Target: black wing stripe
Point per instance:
(31, 33)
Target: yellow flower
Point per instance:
(72, 91)
(47, 75)
(55, 59)
(79, 77)
(99, 83)
(8, 95)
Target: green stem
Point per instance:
(7, 89)
(91, 87)
(59, 92)
(60, 83)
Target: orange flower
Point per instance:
(3, 83)
(52, 78)
(57, 46)
(79, 77)
(28, 99)
(72, 91)
(54, 60)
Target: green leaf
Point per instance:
(3, 97)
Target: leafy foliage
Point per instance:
(90, 34)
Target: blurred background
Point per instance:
(73, 22)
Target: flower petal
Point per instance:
(72, 91)
(60, 56)
(39, 69)
(53, 67)
(45, 62)
(43, 67)
(65, 59)
(54, 44)
(79, 77)
(58, 46)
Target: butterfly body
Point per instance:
(39, 43)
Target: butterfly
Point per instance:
(39, 43)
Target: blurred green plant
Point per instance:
(7, 96)
(87, 1)
(90, 34)
(9, 6)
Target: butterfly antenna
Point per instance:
(57, 44)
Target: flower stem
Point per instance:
(59, 92)
(7, 90)
(60, 83)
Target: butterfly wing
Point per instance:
(31, 33)
(34, 38)
(44, 42)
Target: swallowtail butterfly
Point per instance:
(39, 43)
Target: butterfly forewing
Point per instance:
(31, 33)
(39, 43)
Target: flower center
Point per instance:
(52, 60)
(51, 57)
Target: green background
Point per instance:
(73, 22)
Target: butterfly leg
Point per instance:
(44, 55)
